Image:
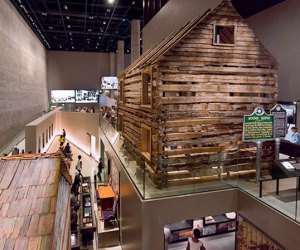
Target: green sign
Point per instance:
(258, 126)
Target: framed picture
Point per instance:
(291, 112)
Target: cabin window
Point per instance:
(146, 89)
(121, 89)
(146, 141)
(120, 123)
(224, 35)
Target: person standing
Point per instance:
(79, 164)
(64, 133)
(193, 242)
(295, 138)
(100, 167)
(61, 140)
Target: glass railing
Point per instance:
(217, 175)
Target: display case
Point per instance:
(208, 226)
(87, 218)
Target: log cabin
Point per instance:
(181, 104)
(34, 202)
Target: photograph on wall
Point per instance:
(291, 117)
(290, 112)
(62, 96)
(109, 82)
(86, 96)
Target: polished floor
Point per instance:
(218, 242)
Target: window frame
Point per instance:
(224, 44)
(146, 154)
(144, 88)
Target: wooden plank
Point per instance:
(11, 168)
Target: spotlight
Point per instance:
(111, 1)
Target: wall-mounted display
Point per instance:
(291, 112)
(62, 96)
(109, 82)
(87, 96)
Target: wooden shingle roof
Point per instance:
(28, 201)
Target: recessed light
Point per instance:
(104, 22)
(66, 7)
(99, 37)
(117, 32)
(73, 47)
(50, 27)
(67, 17)
(98, 44)
(128, 51)
(44, 13)
(133, 2)
(123, 19)
(111, 1)
(70, 34)
(69, 26)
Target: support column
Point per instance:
(120, 59)
(135, 39)
(112, 64)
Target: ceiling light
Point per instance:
(50, 27)
(71, 38)
(65, 7)
(123, 20)
(96, 47)
(111, 1)
(70, 34)
(117, 32)
(99, 37)
(73, 47)
(108, 10)
(98, 44)
(44, 13)
(133, 2)
(128, 51)
(67, 17)
(91, 17)
(104, 22)
(69, 26)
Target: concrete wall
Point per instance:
(174, 15)
(23, 74)
(277, 226)
(130, 206)
(39, 128)
(76, 70)
(79, 127)
(277, 28)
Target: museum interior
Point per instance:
(149, 124)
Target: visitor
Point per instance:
(167, 234)
(295, 137)
(92, 110)
(64, 133)
(77, 109)
(68, 151)
(100, 167)
(15, 151)
(61, 141)
(193, 242)
(79, 164)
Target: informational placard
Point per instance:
(258, 126)
(280, 122)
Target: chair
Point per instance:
(109, 216)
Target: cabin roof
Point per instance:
(157, 51)
(28, 196)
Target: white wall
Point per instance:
(174, 15)
(23, 73)
(278, 29)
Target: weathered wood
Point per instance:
(200, 92)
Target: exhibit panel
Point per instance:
(182, 103)
(250, 237)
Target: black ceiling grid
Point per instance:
(81, 25)
(97, 25)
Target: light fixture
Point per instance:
(69, 26)
(66, 7)
(133, 2)
(67, 17)
(44, 13)
(104, 22)
(111, 1)
(123, 20)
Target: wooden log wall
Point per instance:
(200, 92)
